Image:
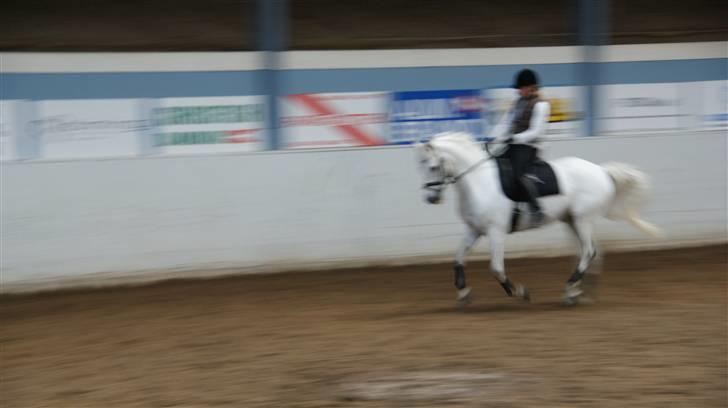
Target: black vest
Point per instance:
(522, 113)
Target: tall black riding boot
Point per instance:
(537, 216)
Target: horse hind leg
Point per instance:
(578, 285)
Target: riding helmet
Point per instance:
(525, 77)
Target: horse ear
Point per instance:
(422, 146)
(423, 140)
(418, 146)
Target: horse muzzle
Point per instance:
(434, 191)
(434, 197)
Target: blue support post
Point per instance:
(272, 39)
(593, 33)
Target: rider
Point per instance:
(523, 128)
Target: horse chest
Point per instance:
(472, 218)
(473, 210)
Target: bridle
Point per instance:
(454, 179)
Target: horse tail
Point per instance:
(631, 192)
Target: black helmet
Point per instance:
(525, 77)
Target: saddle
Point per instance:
(540, 172)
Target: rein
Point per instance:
(452, 180)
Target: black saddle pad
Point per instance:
(540, 172)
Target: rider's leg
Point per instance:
(520, 156)
(533, 204)
(523, 156)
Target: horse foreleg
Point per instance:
(497, 265)
(471, 237)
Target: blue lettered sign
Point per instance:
(418, 115)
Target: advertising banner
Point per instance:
(565, 101)
(334, 119)
(419, 115)
(715, 104)
(639, 107)
(208, 124)
(88, 128)
(8, 130)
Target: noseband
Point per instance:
(452, 180)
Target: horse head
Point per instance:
(442, 158)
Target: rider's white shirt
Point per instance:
(536, 131)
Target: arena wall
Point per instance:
(114, 219)
(293, 210)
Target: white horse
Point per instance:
(586, 191)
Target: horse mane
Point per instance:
(461, 138)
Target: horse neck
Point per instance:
(462, 157)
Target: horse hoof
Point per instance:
(462, 304)
(573, 290)
(575, 294)
(523, 293)
(569, 301)
(464, 297)
(585, 300)
(581, 300)
(526, 295)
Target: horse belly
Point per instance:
(555, 207)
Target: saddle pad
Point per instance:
(541, 173)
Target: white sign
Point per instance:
(334, 120)
(715, 104)
(565, 101)
(639, 107)
(208, 124)
(89, 128)
(8, 130)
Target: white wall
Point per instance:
(280, 210)
(80, 62)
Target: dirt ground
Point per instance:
(385, 337)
